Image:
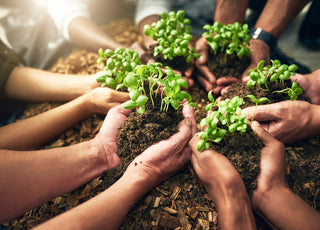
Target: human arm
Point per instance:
(274, 19)
(225, 187)
(30, 84)
(74, 23)
(147, 170)
(273, 199)
(310, 84)
(288, 121)
(37, 130)
(42, 175)
(226, 12)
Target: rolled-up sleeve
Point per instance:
(145, 8)
(63, 12)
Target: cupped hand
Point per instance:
(259, 51)
(288, 121)
(215, 171)
(310, 83)
(272, 164)
(106, 139)
(100, 100)
(164, 159)
(204, 77)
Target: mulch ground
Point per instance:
(180, 202)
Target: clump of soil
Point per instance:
(242, 90)
(243, 150)
(177, 63)
(222, 65)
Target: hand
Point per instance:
(164, 159)
(106, 139)
(205, 78)
(272, 166)
(259, 51)
(310, 83)
(145, 58)
(288, 121)
(100, 100)
(215, 171)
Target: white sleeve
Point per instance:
(146, 8)
(63, 12)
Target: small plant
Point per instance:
(228, 39)
(224, 121)
(152, 75)
(292, 92)
(256, 101)
(273, 73)
(173, 34)
(117, 65)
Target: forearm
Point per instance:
(230, 11)
(31, 84)
(35, 131)
(88, 35)
(276, 15)
(27, 179)
(234, 209)
(107, 209)
(285, 210)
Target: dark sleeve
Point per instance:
(8, 60)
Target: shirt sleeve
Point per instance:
(63, 12)
(8, 61)
(145, 8)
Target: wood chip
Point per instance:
(175, 193)
(170, 210)
(204, 224)
(156, 202)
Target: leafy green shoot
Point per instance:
(228, 39)
(224, 121)
(173, 34)
(117, 64)
(256, 101)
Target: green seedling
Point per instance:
(117, 64)
(257, 101)
(173, 34)
(152, 75)
(292, 92)
(224, 121)
(228, 39)
(262, 74)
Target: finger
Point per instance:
(188, 72)
(205, 84)
(227, 80)
(202, 49)
(216, 91)
(262, 112)
(265, 136)
(204, 70)
(188, 113)
(119, 96)
(224, 90)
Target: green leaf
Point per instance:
(111, 82)
(183, 83)
(260, 64)
(141, 110)
(134, 94)
(142, 100)
(201, 145)
(130, 105)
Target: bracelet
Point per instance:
(269, 39)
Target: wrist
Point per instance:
(267, 38)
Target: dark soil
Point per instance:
(222, 65)
(177, 63)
